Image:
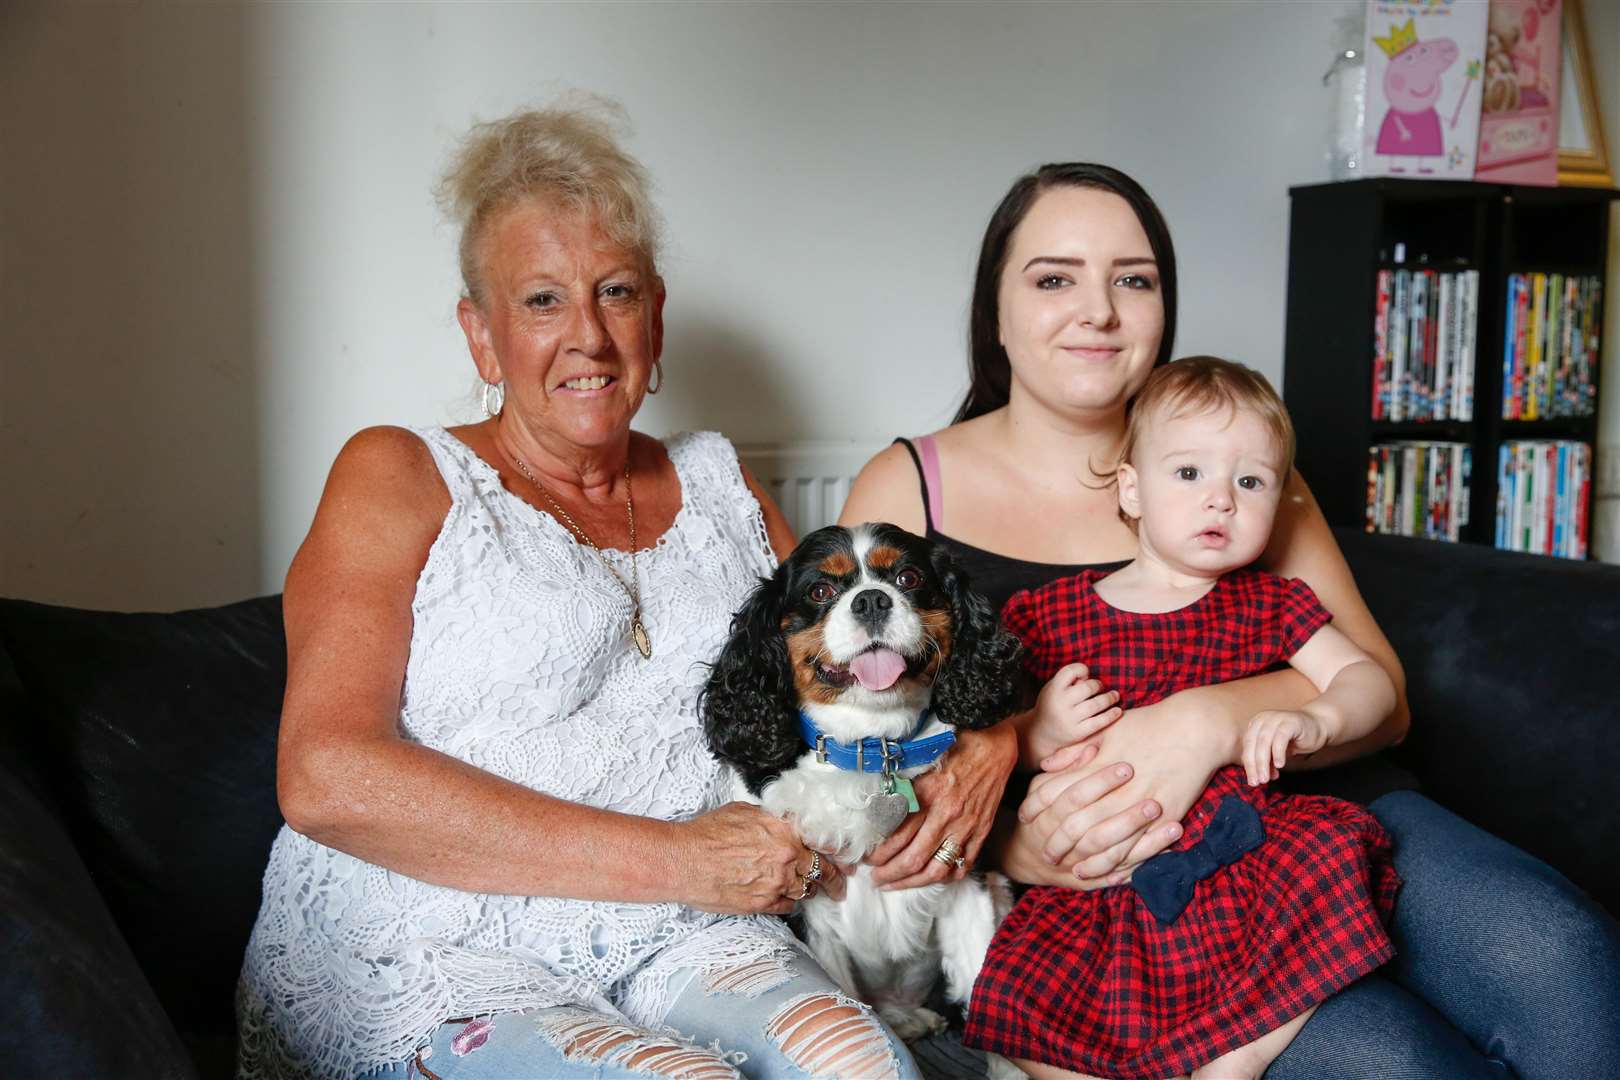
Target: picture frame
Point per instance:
(1583, 153)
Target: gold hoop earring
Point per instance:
(493, 411)
(658, 370)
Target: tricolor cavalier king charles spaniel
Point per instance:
(846, 674)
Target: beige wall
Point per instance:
(129, 410)
(218, 255)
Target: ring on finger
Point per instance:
(814, 873)
(949, 852)
(807, 886)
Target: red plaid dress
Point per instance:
(1091, 981)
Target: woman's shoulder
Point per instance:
(386, 459)
(705, 462)
(968, 438)
(886, 489)
(969, 435)
(390, 442)
(723, 490)
(387, 471)
(383, 504)
(708, 454)
(711, 445)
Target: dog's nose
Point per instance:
(871, 607)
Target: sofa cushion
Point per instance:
(1510, 663)
(76, 1003)
(156, 735)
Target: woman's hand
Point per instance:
(1071, 708)
(741, 860)
(1022, 854)
(1099, 828)
(959, 800)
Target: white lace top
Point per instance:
(520, 663)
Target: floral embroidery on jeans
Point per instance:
(471, 1037)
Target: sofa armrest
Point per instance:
(76, 1002)
(1510, 663)
(156, 734)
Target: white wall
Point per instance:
(239, 262)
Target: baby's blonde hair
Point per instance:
(1197, 384)
(566, 153)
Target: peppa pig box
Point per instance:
(1518, 133)
(1424, 65)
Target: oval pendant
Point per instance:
(643, 642)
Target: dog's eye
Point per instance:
(821, 592)
(908, 578)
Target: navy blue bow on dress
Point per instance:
(1165, 882)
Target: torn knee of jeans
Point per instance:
(596, 1041)
(830, 1035)
(750, 979)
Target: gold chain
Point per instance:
(632, 588)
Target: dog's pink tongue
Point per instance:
(878, 669)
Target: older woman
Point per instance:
(1501, 964)
(507, 850)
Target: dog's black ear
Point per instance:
(983, 680)
(750, 706)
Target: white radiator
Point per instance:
(808, 480)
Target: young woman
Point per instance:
(1074, 303)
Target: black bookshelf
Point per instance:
(1340, 236)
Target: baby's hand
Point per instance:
(1272, 737)
(1071, 707)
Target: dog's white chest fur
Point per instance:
(888, 948)
(845, 814)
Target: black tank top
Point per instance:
(996, 576)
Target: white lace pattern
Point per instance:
(520, 663)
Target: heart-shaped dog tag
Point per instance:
(887, 810)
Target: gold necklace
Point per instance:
(632, 587)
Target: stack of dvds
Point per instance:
(1550, 349)
(1424, 338)
(1418, 489)
(1542, 495)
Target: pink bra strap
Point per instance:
(929, 455)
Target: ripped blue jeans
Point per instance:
(770, 1019)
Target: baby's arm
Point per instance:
(1356, 695)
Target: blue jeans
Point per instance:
(1503, 969)
(764, 1021)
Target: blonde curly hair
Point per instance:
(566, 154)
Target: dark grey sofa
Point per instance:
(137, 794)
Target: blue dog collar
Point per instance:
(876, 755)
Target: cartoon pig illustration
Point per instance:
(1411, 127)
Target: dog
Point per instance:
(846, 674)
